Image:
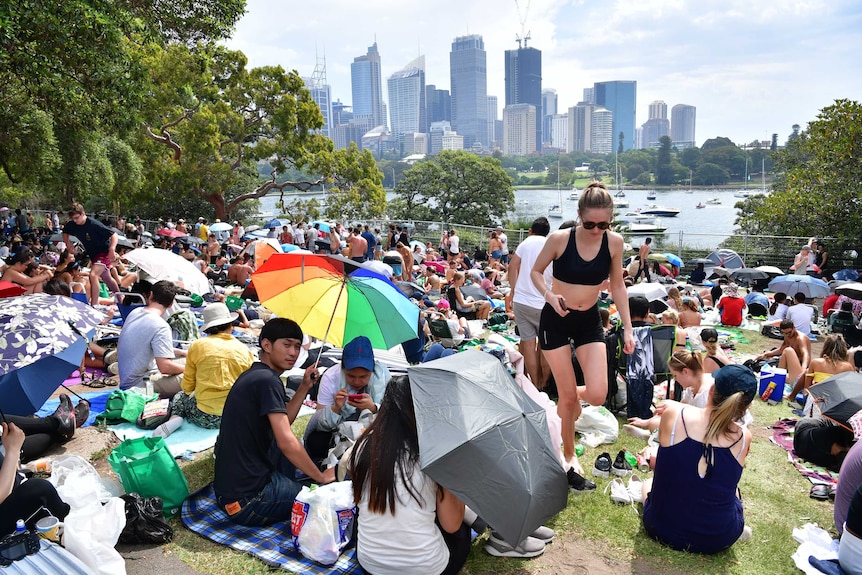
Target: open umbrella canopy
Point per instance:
(650, 290)
(170, 233)
(853, 290)
(220, 227)
(703, 261)
(276, 223)
(162, 264)
(9, 289)
(771, 270)
(41, 343)
(261, 250)
(749, 274)
(846, 275)
(482, 438)
(336, 300)
(839, 397)
(717, 272)
(324, 226)
(792, 284)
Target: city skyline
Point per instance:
(751, 68)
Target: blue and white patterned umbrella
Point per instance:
(42, 341)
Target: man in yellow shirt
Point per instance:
(213, 365)
(204, 230)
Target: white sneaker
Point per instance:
(635, 488)
(619, 493)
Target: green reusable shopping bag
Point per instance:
(123, 406)
(145, 466)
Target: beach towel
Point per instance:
(189, 437)
(97, 400)
(782, 436)
(273, 545)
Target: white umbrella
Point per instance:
(221, 227)
(650, 290)
(771, 270)
(853, 290)
(165, 265)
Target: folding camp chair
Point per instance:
(453, 300)
(643, 369)
(440, 331)
(127, 301)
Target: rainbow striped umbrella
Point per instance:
(334, 299)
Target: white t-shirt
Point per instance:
(145, 336)
(453, 244)
(409, 542)
(525, 292)
(801, 315)
(503, 240)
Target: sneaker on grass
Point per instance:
(579, 484)
(529, 547)
(621, 466)
(635, 488)
(602, 467)
(543, 534)
(619, 493)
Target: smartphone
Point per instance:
(355, 396)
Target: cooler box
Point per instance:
(769, 374)
(394, 261)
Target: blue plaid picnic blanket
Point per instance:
(273, 545)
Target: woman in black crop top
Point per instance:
(585, 258)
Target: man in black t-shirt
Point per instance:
(100, 244)
(257, 455)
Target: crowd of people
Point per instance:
(560, 289)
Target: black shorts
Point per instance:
(581, 327)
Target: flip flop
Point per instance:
(99, 383)
(819, 492)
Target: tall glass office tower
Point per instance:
(367, 85)
(620, 98)
(468, 72)
(524, 82)
(407, 99)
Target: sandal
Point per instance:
(819, 492)
(99, 383)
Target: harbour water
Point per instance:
(705, 227)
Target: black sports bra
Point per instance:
(571, 268)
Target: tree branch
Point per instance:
(166, 138)
(270, 186)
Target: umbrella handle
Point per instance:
(331, 319)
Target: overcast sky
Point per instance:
(751, 67)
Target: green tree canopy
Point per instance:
(664, 175)
(212, 120)
(455, 186)
(818, 190)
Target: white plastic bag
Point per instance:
(91, 529)
(321, 521)
(597, 423)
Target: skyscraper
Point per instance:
(549, 108)
(580, 126)
(469, 84)
(367, 84)
(438, 103)
(602, 131)
(321, 93)
(519, 129)
(407, 99)
(656, 126)
(524, 83)
(620, 98)
(682, 125)
(493, 136)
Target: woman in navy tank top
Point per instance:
(584, 258)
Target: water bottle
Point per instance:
(579, 450)
(20, 527)
(148, 385)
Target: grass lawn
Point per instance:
(775, 497)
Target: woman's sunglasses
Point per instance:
(600, 225)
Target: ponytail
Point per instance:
(723, 412)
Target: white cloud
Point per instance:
(752, 67)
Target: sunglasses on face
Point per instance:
(600, 225)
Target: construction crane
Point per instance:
(523, 36)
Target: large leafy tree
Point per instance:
(213, 120)
(455, 186)
(819, 185)
(664, 174)
(71, 71)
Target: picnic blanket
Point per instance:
(97, 400)
(189, 437)
(782, 436)
(273, 545)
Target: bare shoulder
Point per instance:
(615, 241)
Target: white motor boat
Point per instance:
(652, 226)
(621, 202)
(575, 195)
(661, 211)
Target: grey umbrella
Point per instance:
(484, 440)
